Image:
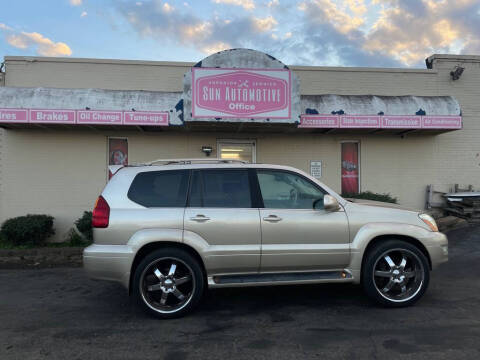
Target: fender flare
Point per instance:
(370, 231)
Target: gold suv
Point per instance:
(169, 229)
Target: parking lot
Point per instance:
(60, 314)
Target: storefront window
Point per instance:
(350, 168)
(237, 150)
(117, 152)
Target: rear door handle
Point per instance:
(200, 218)
(272, 218)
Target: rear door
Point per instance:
(295, 235)
(220, 210)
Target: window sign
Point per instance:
(117, 153)
(350, 164)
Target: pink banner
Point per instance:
(99, 117)
(359, 121)
(319, 121)
(381, 122)
(52, 116)
(442, 122)
(401, 122)
(14, 115)
(145, 118)
(231, 93)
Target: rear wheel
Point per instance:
(395, 273)
(168, 283)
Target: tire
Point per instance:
(395, 273)
(168, 283)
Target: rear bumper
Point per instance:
(109, 262)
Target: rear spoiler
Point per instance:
(113, 169)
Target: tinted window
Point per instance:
(220, 188)
(160, 188)
(284, 190)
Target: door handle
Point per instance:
(200, 218)
(272, 218)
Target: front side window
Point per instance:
(285, 190)
(160, 188)
(220, 189)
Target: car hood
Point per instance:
(380, 204)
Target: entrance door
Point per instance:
(237, 150)
(295, 235)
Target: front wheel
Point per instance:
(395, 273)
(168, 283)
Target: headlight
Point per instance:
(430, 221)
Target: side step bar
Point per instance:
(280, 278)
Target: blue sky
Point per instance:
(392, 33)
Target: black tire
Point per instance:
(386, 282)
(152, 282)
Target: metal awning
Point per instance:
(51, 107)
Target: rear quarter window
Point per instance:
(160, 188)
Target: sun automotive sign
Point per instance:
(241, 93)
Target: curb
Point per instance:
(41, 258)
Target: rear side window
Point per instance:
(221, 189)
(160, 188)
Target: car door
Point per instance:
(295, 235)
(220, 210)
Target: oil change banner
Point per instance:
(350, 168)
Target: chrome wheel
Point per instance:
(398, 275)
(167, 285)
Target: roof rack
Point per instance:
(191, 161)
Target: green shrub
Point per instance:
(75, 239)
(84, 225)
(368, 195)
(27, 230)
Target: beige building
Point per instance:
(59, 168)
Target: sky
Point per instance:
(374, 33)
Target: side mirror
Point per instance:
(330, 203)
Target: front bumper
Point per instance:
(437, 247)
(109, 262)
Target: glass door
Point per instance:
(237, 150)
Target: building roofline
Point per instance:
(450, 57)
(191, 64)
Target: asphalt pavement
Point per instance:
(61, 314)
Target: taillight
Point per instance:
(101, 213)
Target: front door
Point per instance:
(220, 212)
(295, 236)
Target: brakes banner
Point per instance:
(241, 93)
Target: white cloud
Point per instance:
(410, 32)
(265, 24)
(45, 46)
(76, 2)
(214, 48)
(324, 32)
(167, 8)
(83, 14)
(5, 27)
(246, 4)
